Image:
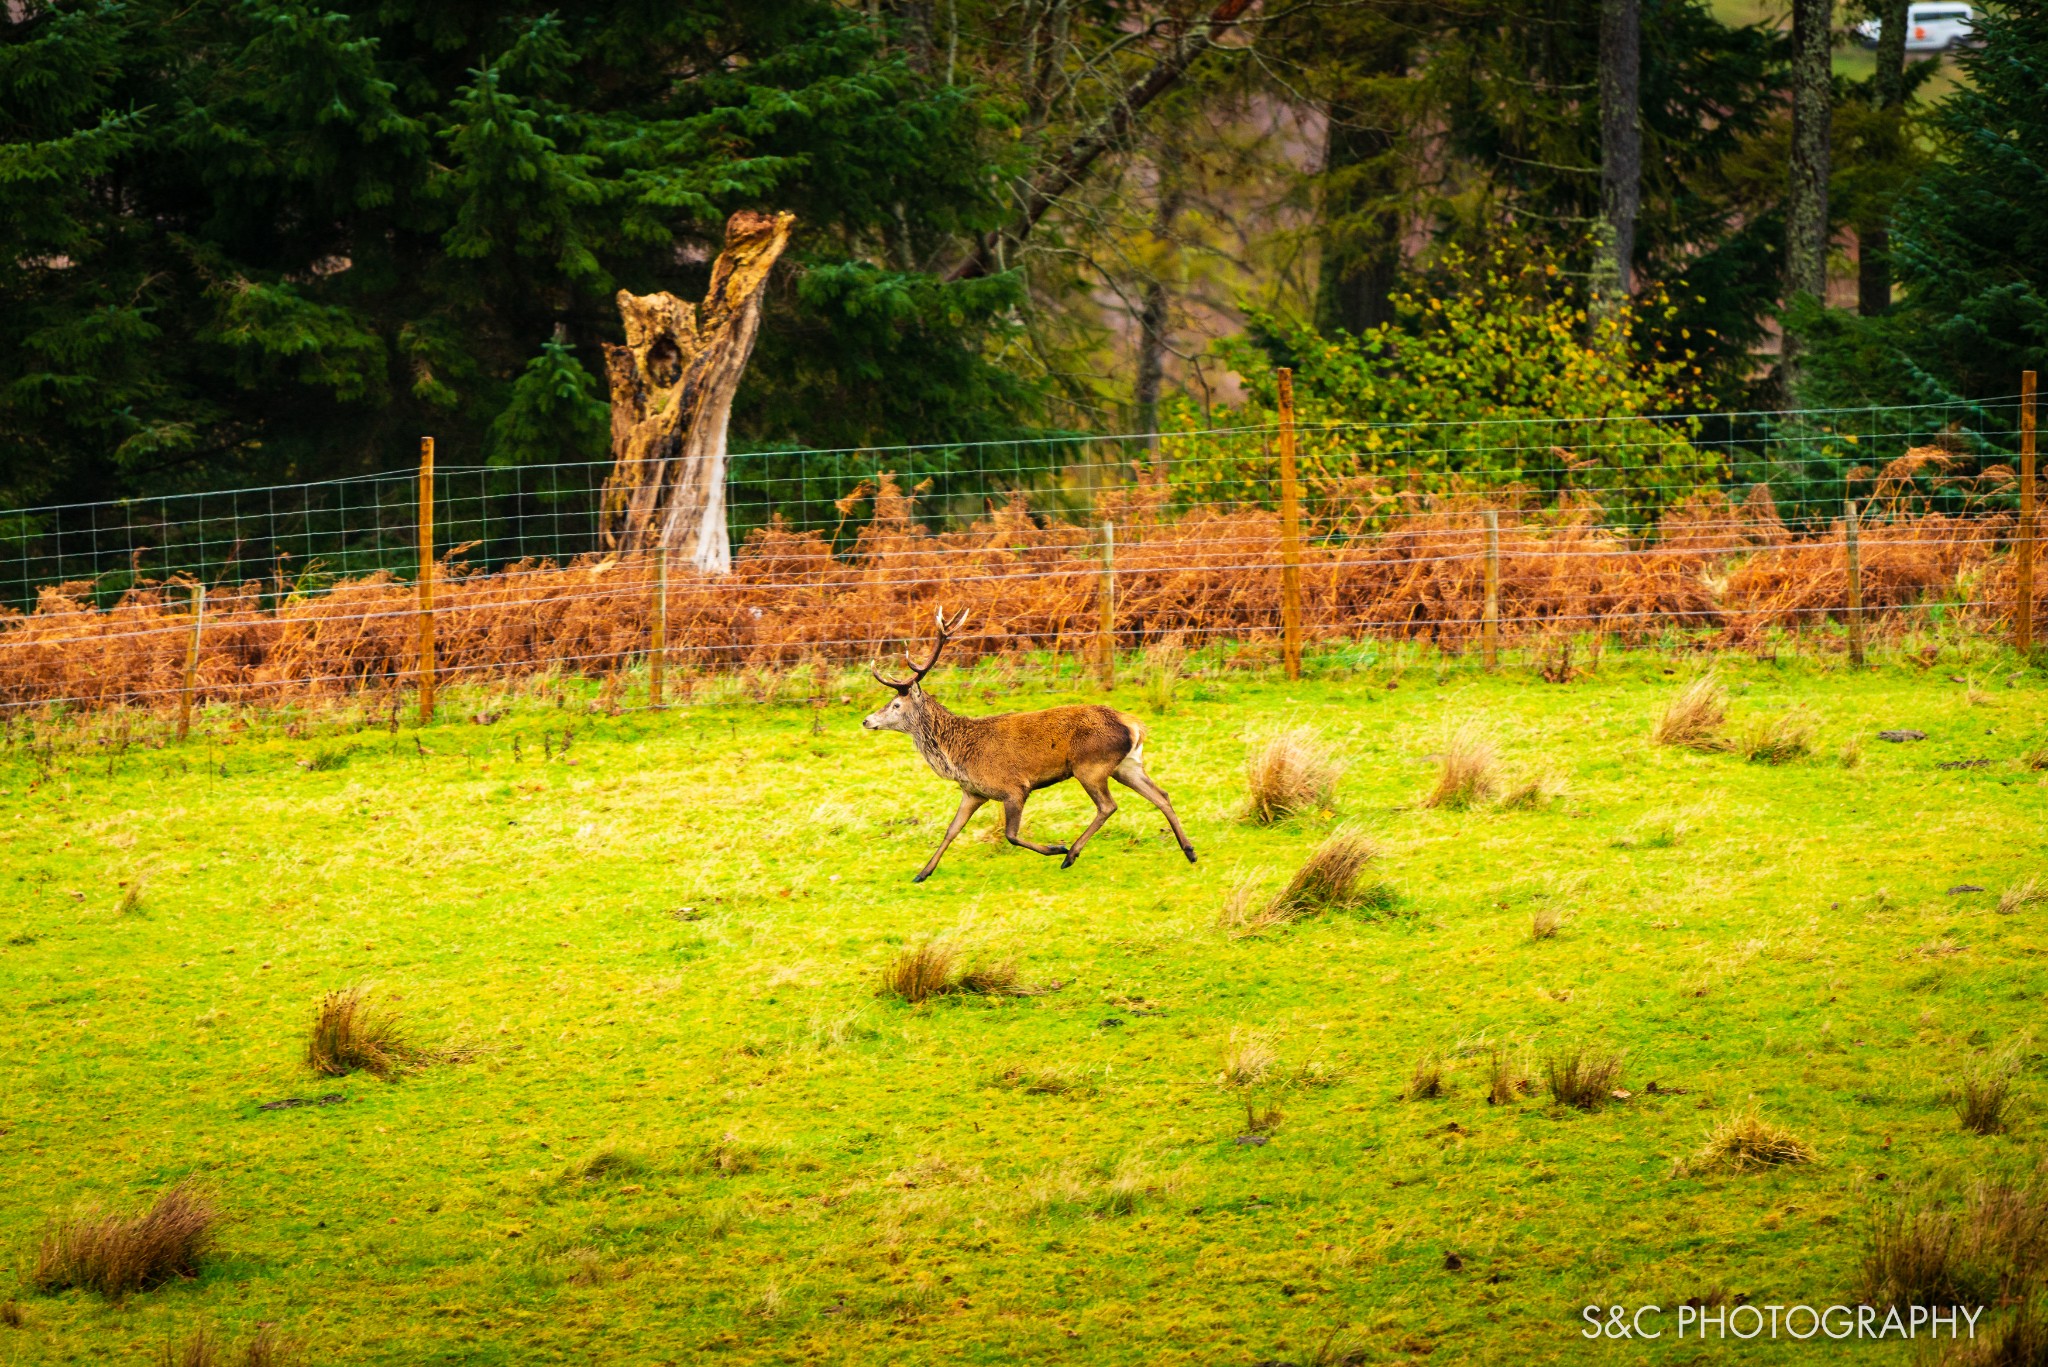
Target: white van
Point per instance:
(1930, 27)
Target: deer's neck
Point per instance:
(942, 737)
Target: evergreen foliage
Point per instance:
(276, 240)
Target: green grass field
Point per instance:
(659, 938)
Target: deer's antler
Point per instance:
(918, 671)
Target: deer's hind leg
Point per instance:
(1131, 773)
(1013, 818)
(1096, 784)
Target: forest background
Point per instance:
(267, 241)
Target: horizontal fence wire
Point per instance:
(1630, 527)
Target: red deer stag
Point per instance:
(1009, 757)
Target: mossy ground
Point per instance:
(698, 1135)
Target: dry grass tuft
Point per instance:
(2022, 895)
(351, 1033)
(10, 1314)
(1248, 1060)
(1291, 774)
(1780, 740)
(1329, 880)
(1164, 659)
(920, 972)
(266, 1349)
(1994, 1248)
(1983, 1095)
(605, 1164)
(993, 980)
(115, 1254)
(933, 968)
(1694, 718)
(1049, 1079)
(1507, 1075)
(1533, 794)
(1745, 1142)
(1583, 1078)
(1544, 925)
(1467, 777)
(1910, 1258)
(1426, 1078)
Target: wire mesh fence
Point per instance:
(1728, 525)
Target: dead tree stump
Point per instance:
(672, 385)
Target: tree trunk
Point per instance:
(1155, 314)
(1806, 200)
(1621, 150)
(1874, 238)
(672, 386)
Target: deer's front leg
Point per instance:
(969, 805)
(1013, 817)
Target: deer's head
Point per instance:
(902, 712)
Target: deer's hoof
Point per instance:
(1189, 851)
(1068, 862)
(922, 876)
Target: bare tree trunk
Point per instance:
(1873, 237)
(1155, 314)
(1621, 150)
(1806, 201)
(672, 385)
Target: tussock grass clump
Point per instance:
(1163, 661)
(1329, 880)
(1994, 1247)
(607, 1163)
(1467, 777)
(266, 1349)
(1248, 1060)
(1912, 1257)
(1048, 1079)
(1248, 1064)
(1291, 774)
(114, 1254)
(728, 1155)
(1583, 1078)
(131, 896)
(353, 1033)
(1544, 925)
(933, 968)
(1507, 1075)
(1982, 1097)
(2021, 895)
(1532, 794)
(1121, 1188)
(920, 972)
(1746, 1142)
(1779, 740)
(1694, 718)
(1426, 1078)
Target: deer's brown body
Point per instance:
(1006, 758)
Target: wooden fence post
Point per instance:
(426, 587)
(2023, 609)
(1290, 532)
(1852, 527)
(191, 661)
(657, 664)
(1490, 631)
(1105, 629)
